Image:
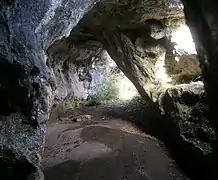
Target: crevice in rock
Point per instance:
(15, 95)
(11, 167)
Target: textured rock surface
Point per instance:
(138, 41)
(26, 30)
(202, 19)
(132, 32)
(186, 105)
(80, 69)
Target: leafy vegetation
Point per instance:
(108, 91)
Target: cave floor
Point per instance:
(104, 146)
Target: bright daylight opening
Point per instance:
(183, 39)
(161, 76)
(184, 44)
(127, 90)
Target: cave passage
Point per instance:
(107, 89)
(116, 84)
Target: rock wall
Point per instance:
(202, 19)
(27, 28)
(80, 69)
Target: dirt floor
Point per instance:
(102, 143)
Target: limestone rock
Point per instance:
(206, 37)
(186, 106)
(30, 80)
(27, 28)
(80, 69)
(129, 32)
(157, 30)
(81, 118)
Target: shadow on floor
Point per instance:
(132, 157)
(190, 159)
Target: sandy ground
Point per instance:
(101, 147)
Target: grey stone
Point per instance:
(186, 106)
(27, 28)
(157, 31)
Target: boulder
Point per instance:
(187, 107)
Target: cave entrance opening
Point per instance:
(99, 81)
(85, 71)
(134, 34)
(113, 77)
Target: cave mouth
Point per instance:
(169, 122)
(98, 90)
(85, 71)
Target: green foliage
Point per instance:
(108, 91)
(75, 104)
